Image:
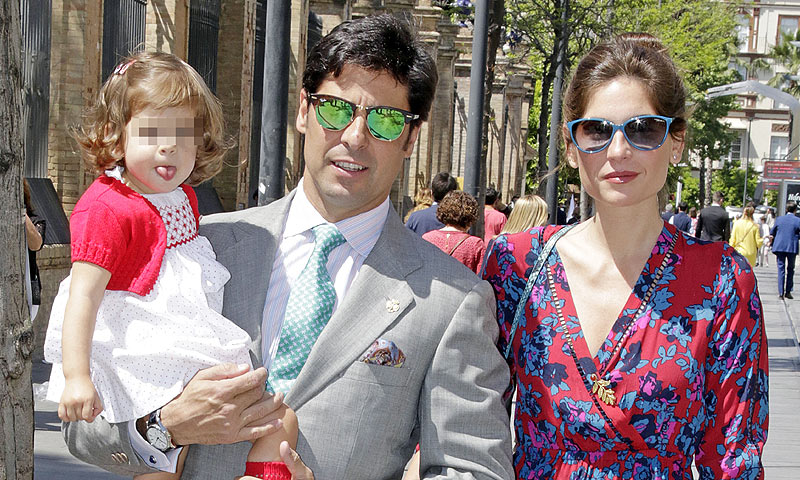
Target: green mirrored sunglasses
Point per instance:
(385, 123)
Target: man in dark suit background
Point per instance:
(423, 221)
(713, 223)
(681, 220)
(785, 234)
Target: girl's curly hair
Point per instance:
(157, 81)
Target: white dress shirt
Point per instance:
(295, 248)
(296, 245)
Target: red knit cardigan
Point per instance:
(115, 228)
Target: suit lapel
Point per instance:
(378, 296)
(250, 262)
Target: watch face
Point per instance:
(157, 438)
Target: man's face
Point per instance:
(349, 171)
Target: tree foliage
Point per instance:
(700, 35)
(788, 56)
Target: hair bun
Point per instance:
(641, 39)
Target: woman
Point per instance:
(458, 211)
(763, 252)
(746, 236)
(638, 349)
(34, 238)
(529, 211)
(422, 200)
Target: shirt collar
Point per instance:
(361, 231)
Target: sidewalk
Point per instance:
(781, 454)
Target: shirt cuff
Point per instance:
(153, 457)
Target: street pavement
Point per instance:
(781, 453)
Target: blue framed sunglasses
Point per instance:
(643, 132)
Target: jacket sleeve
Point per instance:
(106, 445)
(464, 429)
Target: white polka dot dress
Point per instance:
(146, 348)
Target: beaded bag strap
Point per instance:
(535, 271)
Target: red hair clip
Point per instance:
(123, 67)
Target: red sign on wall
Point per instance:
(779, 170)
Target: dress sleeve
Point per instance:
(97, 236)
(736, 386)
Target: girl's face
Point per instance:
(161, 148)
(621, 175)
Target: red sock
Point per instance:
(268, 470)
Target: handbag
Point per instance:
(537, 269)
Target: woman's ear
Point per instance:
(569, 149)
(677, 150)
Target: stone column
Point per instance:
(442, 112)
(74, 82)
(516, 135)
(167, 27)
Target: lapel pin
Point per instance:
(392, 305)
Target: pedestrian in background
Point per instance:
(784, 235)
(425, 220)
(529, 211)
(746, 236)
(422, 200)
(493, 220)
(693, 217)
(681, 219)
(713, 223)
(763, 252)
(635, 351)
(458, 210)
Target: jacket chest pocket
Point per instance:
(378, 374)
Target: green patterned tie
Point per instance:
(308, 310)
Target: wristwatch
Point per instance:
(157, 434)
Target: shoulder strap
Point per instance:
(458, 245)
(537, 269)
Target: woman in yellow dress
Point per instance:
(746, 237)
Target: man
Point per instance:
(667, 214)
(681, 220)
(785, 233)
(408, 355)
(712, 222)
(423, 221)
(493, 219)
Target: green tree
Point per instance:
(788, 56)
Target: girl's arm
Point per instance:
(79, 400)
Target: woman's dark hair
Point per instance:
(458, 208)
(381, 43)
(638, 56)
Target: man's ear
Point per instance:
(413, 134)
(302, 112)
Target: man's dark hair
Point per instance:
(491, 196)
(791, 207)
(717, 197)
(380, 43)
(442, 184)
(683, 206)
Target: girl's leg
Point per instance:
(265, 458)
(165, 475)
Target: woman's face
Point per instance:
(621, 175)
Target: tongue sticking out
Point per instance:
(166, 172)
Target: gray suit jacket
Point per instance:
(361, 421)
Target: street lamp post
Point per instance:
(747, 159)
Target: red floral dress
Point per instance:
(685, 363)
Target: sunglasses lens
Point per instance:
(592, 135)
(334, 114)
(647, 133)
(386, 123)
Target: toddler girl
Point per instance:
(139, 314)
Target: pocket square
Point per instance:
(383, 352)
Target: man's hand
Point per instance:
(221, 405)
(295, 465)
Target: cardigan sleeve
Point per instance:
(97, 236)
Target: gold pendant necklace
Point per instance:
(602, 389)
